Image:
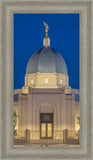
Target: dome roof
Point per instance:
(46, 60)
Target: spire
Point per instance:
(46, 28)
(46, 41)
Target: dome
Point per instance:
(46, 60)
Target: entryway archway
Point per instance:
(46, 121)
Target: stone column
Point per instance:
(65, 136)
(27, 135)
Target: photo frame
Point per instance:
(6, 50)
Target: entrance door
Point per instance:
(43, 130)
(49, 130)
(46, 125)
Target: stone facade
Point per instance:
(46, 80)
(56, 101)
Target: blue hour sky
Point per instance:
(29, 32)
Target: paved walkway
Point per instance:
(50, 145)
(43, 143)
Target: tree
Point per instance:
(15, 122)
(78, 121)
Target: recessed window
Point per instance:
(31, 81)
(46, 81)
(61, 81)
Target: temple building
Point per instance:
(46, 105)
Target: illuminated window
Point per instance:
(43, 130)
(60, 80)
(49, 130)
(46, 81)
(31, 81)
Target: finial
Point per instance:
(46, 28)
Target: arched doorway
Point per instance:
(46, 121)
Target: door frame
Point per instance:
(46, 122)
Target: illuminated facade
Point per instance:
(46, 105)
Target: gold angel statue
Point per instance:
(46, 28)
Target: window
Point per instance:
(46, 81)
(61, 81)
(31, 81)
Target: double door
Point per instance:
(46, 125)
(46, 130)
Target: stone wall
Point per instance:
(46, 80)
(56, 102)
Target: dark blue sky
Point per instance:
(29, 32)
